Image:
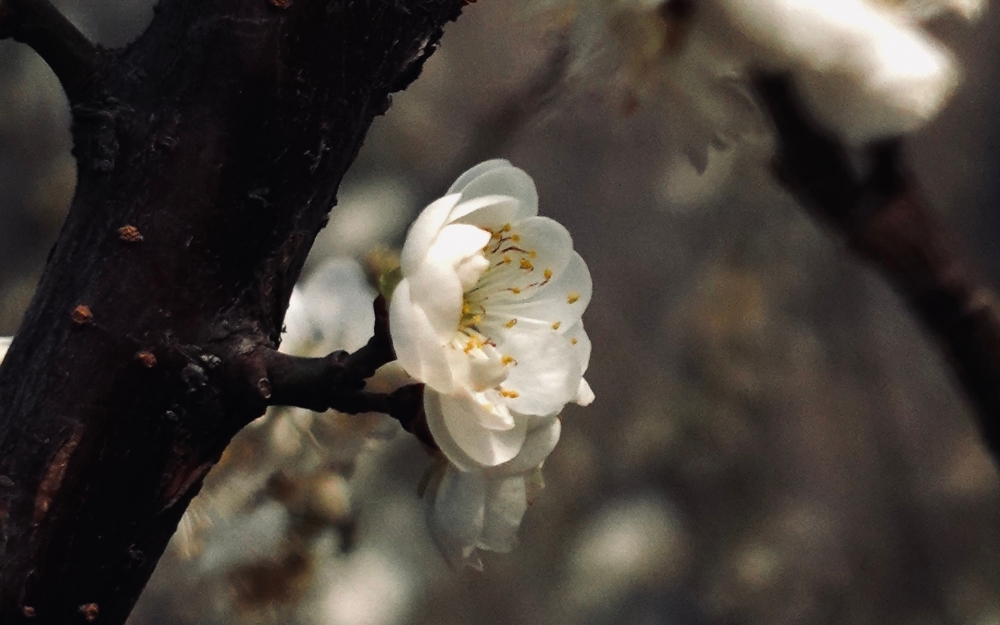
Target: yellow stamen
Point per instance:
(526, 265)
(514, 290)
(511, 323)
(510, 394)
(516, 238)
(573, 298)
(548, 274)
(574, 341)
(506, 360)
(506, 228)
(555, 326)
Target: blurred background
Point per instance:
(774, 439)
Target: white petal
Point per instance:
(580, 344)
(424, 231)
(457, 513)
(4, 345)
(445, 442)
(475, 172)
(457, 242)
(547, 371)
(518, 270)
(489, 211)
(584, 395)
(418, 348)
(470, 270)
(463, 417)
(558, 304)
(506, 503)
(436, 288)
(509, 181)
(542, 437)
(476, 370)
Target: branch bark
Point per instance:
(886, 221)
(209, 153)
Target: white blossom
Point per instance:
(4, 345)
(488, 316)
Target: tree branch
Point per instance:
(209, 154)
(73, 58)
(336, 381)
(885, 220)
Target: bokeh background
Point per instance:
(774, 439)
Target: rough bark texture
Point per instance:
(209, 154)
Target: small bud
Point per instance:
(89, 612)
(146, 359)
(81, 315)
(28, 611)
(129, 234)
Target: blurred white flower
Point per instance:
(4, 345)
(331, 309)
(488, 316)
(866, 68)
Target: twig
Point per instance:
(72, 57)
(336, 381)
(885, 220)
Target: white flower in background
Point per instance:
(488, 316)
(4, 345)
(866, 68)
(331, 309)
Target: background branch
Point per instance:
(73, 58)
(885, 220)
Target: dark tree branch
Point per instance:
(73, 58)
(209, 153)
(885, 220)
(337, 381)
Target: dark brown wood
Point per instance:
(885, 220)
(209, 153)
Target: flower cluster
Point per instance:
(488, 315)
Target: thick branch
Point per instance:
(209, 154)
(73, 58)
(885, 220)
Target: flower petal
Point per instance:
(584, 395)
(474, 172)
(542, 437)
(457, 242)
(558, 304)
(546, 371)
(489, 211)
(418, 348)
(445, 442)
(462, 419)
(436, 288)
(424, 231)
(506, 502)
(509, 181)
(457, 513)
(520, 266)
